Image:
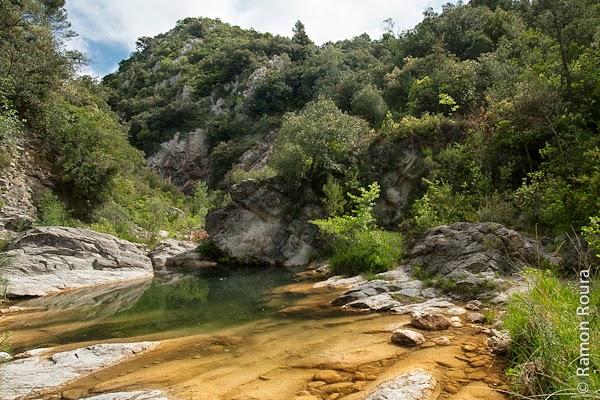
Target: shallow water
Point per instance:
(189, 304)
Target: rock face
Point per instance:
(260, 227)
(414, 385)
(473, 254)
(51, 259)
(167, 249)
(33, 372)
(183, 160)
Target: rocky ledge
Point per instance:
(34, 372)
(51, 259)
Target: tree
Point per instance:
(300, 37)
(369, 104)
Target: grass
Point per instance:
(451, 286)
(546, 334)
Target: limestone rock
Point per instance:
(435, 305)
(407, 337)
(430, 322)
(380, 302)
(51, 259)
(413, 385)
(35, 372)
(258, 226)
(168, 249)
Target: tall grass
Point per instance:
(545, 330)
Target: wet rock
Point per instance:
(475, 318)
(259, 228)
(34, 372)
(340, 281)
(138, 395)
(168, 249)
(414, 385)
(189, 260)
(364, 291)
(407, 337)
(442, 341)
(328, 376)
(430, 322)
(51, 259)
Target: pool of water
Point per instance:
(188, 304)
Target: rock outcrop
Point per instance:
(413, 385)
(183, 160)
(34, 372)
(474, 255)
(167, 249)
(263, 225)
(137, 395)
(51, 259)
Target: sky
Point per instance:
(108, 29)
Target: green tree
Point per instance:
(369, 104)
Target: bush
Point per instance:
(358, 247)
(52, 211)
(369, 104)
(238, 175)
(546, 343)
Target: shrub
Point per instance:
(592, 234)
(546, 343)
(369, 104)
(358, 246)
(52, 211)
(238, 175)
(334, 201)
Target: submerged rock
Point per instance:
(52, 259)
(414, 385)
(33, 372)
(265, 225)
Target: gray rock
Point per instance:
(407, 337)
(168, 249)
(413, 385)
(4, 356)
(435, 305)
(430, 322)
(36, 372)
(379, 302)
(51, 259)
(259, 227)
(138, 395)
(189, 260)
(183, 160)
(474, 254)
(365, 290)
(474, 305)
(475, 318)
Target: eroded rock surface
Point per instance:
(51, 259)
(414, 385)
(138, 395)
(261, 227)
(167, 249)
(33, 372)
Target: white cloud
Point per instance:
(121, 22)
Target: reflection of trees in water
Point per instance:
(186, 292)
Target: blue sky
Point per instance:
(108, 29)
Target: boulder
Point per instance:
(328, 376)
(473, 254)
(407, 337)
(34, 372)
(189, 260)
(429, 322)
(413, 385)
(265, 225)
(475, 318)
(52, 259)
(167, 249)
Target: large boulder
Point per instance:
(265, 225)
(35, 371)
(51, 259)
(473, 255)
(413, 385)
(167, 249)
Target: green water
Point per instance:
(215, 299)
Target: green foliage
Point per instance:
(317, 141)
(238, 175)
(591, 233)
(369, 104)
(545, 331)
(334, 200)
(52, 211)
(358, 247)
